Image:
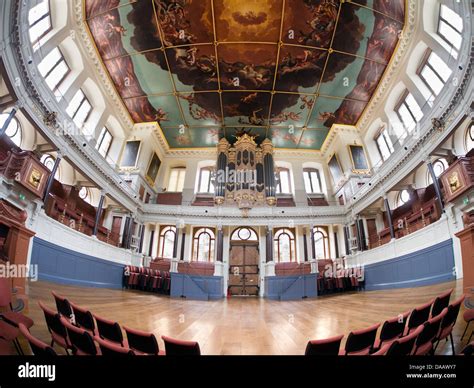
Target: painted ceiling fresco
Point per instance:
(283, 69)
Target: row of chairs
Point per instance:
(76, 329)
(418, 332)
(146, 279)
(327, 285)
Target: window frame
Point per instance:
(84, 99)
(19, 129)
(309, 171)
(278, 186)
(180, 170)
(425, 62)
(164, 230)
(382, 133)
(292, 244)
(235, 236)
(210, 169)
(403, 102)
(326, 245)
(197, 233)
(61, 59)
(441, 35)
(46, 32)
(104, 131)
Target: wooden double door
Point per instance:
(243, 269)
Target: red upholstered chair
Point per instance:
(143, 278)
(11, 317)
(142, 342)
(110, 331)
(440, 303)
(38, 348)
(448, 322)
(56, 328)
(324, 347)
(418, 317)
(360, 342)
(84, 319)
(134, 277)
(382, 351)
(166, 279)
(174, 347)
(392, 329)
(62, 304)
(429, 335)
(10, 333)
(404, 346)
(108, 348)
(155, 280)
(82, 342)
(468, 317)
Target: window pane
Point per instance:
(451, 17)
(39, 29)
(406, 117)
(49, 61)
(285, 182)
(75, 102)
(440, 66)
(204, 181)
(38, 11)
(168, 245)
(307, 182)
(383, 148)
(105, 145)
(432, 80)
(56, 76)
(180, 184)
(82, 113)
(452, 36)
(414, 107)
(173, 182)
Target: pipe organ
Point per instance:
(245, 173)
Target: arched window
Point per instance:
(244, 234)
(13, 131)
(439, 166)
(321, 242)
(166, 241)
(203, 244)
(49, 160)
(403, 197)
(205, 183)
(469, 138)
(284, 246)
(176, 181)
(312, 180)
(85, 194)
(284, 181)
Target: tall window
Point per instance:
(284, 181)
(49, 160)
(13, 131)
(79, 108)
(384, 144)
(166, 242)
(284, 249)
(469, 138)
(312, 180)
(104, 141)
(176, 181)
(439, 166)
(54, 70)
(205, 184)
(450, 28)
(409, 112)
(321, 242)
(203, 244)
(39, 23)
(435, 73)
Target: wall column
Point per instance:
(269, 243)
(7, 122)
(389, 217)
(50, 182)
(437, 188)
(220, 243)
(98, 213)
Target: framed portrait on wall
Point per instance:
(360, 162)
(335, 169)
(130, 153)
(152, 170)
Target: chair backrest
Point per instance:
(419, 316)
(81, 340)
(39, 348)
(382, 351)
(430, 330)
(53, 321)
(324, 347)
(393, 328)
(361, 340)
(109, 330)
(174, 347)
(440, 303)
(404, 346)
(452, 313)
(142, 341)
(83, 318)
(108, 348)
(62, 304)
(468, 350)
(5, 291)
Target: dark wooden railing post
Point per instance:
(98, 214)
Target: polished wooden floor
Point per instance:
(244, 326)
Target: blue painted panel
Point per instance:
(290, 287)
(196, 287)
(424, 267)
(61, 265)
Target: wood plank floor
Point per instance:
(244, 326)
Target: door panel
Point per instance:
(243, 270)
